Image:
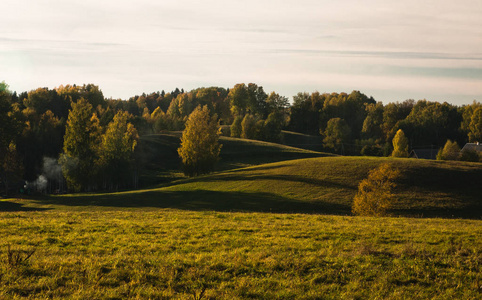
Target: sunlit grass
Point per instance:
(245, 233)
(176, 254)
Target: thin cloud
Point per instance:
(386, 54)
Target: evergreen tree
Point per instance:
(200, 148)
(400, 145)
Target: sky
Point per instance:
(391, 50)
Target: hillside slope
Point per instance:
(160, 161)
(323, 185)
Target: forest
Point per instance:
(76, 133)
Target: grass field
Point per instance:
(164, 254)
(280, 230)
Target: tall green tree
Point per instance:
(9, 131)
(272, 127)
(336, 133)
(400, 145)
(81, 140)
(248, 127)
(116, 151)
(199, 150)
(236, 128)
(475, 127)
(238, 99)
(306, 111)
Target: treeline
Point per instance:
(356, 124)
(80, 128)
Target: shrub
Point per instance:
(470, 155)
(375, 193)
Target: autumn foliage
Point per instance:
(375, 193)
(200, 148)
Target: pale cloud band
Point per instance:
(391, 50)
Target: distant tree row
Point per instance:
(356, 124)
(40, 123)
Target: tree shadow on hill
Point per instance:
(464, 183)
(292, 178)
(7, 206)
(449, 192)
(201, 200)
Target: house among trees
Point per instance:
(424, 153)
(473, 147)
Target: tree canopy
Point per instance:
(199, 150)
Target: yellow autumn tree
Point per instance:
(375, 193)
(451, 151)
(400, 145)
(200, 147)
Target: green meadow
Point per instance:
(274, 222)
(165, 254)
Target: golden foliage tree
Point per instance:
(375, 193)
(451, 151)
(400, 145)
(200, 147)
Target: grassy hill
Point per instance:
(303, 141)
(160, 161)
(324, 185)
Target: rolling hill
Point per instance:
(160, 162)
(322, 185)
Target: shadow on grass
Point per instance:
(200, 200)
(289, 178)
(17, 207)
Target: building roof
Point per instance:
(424, 153)
(473, 147)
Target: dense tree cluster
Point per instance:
(95, 138)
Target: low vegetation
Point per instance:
(163, 254)
(375, 193)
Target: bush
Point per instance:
(375, 193)
(470, 155)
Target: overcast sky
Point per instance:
(391, 50)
